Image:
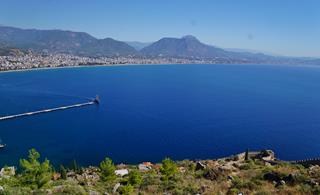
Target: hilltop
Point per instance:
(187, 46)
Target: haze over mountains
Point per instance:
(83, 44)
(138, 45)
(58, 41)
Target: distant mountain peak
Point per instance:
(187, 46)
(190, 37)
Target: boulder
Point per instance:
(211, 174)
(280, 183)
(200, 166)
(143, 167)
(7, 172)
(272, 176)
(121, 172)
(290, 179)
(267, 155)
(230, 177)
(116, 187)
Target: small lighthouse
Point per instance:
(97, 100)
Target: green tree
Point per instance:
(63, 172)
(168, 169)
(135, 178)
(126, 190)
(75, 166)
(34, 173)
(107, 169)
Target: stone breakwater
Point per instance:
(45, 111)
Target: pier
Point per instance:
(92, 102)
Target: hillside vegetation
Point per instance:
(246, 173)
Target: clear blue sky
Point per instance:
(287, 27)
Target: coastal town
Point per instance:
(33, 60)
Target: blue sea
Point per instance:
(149, 112)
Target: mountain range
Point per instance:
(190, 47)
(59, 41)
(83, 44)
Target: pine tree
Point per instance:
(107, 169)
(246, 156)
(135, 178)
(63, 172)
(34, 173)
(168, 169)
(75, 167)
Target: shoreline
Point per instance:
(89, 66)
(120, 65)
(66, 67)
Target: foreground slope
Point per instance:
(246, 173)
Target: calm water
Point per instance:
(150, 112)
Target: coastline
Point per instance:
(82, 66)
(120, 65)
(66, 67)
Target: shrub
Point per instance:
(178, 192)
(305, 189)
(200, 173)
(233, 191)
(168, 169)
(76, 168)
(126, 190)
(211, 174)
(107, 169)
(262, 193)
(316, 190)
(243, 184)
(168, 185)
(191, 189)
(248, 165)
(72, 189)
(34, 173)
(150, 178)
(135, 178)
